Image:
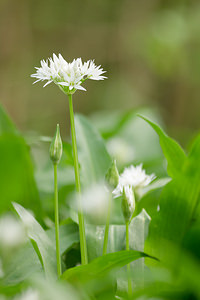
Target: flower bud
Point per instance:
(55, 150)
(128, 202)
(112, 175)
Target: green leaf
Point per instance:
(22, 265)
(138, 231)
(93, 156)
(69, 236)
(102, 265)
(178, 202)
(16, 173)
(17, 180)
(43, 246)
(6, 125)
(172, 150)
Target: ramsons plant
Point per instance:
(135, 234)
(69, 78)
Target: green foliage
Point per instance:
(16, 172)
(173, 152)
(178, 199)
(43, 246)
(100, 266)
(164, 231)
(93, 156)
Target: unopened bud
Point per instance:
(112, 175)
(55, 150)
(128, 202)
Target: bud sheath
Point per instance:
(128, 202)
(55, 150)
(112, 175)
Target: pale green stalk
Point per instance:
(128, 265)
(83, 246)
(105, 243)
(59, 270)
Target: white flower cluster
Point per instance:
(133, 178)
(69, 76)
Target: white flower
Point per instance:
(12, 233)
(29, 294)
(68, 76)
(94, 202)
(134, 177)
(120, 150)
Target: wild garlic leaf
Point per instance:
(172, 150)
(43, 246)
(101, 266)
(93, 157)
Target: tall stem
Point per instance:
(128, 265)
(59, 270)
(83, 246)
(105, 243)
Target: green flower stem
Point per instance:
(105, 243)
(83, 246)
(128, 265)
(59, 270)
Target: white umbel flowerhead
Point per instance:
(135, 177)
(68, 76)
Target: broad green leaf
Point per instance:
(102, 265)
(16, 172)
(93, 157)
(172, 150)
(17, 180)
(6, 125)
(178, 202)
(43, 246)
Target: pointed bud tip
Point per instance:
(112, 175)
(55, 150)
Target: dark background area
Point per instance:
(150, 49)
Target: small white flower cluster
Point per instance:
(132, 179)
(68, 76)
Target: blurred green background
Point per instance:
(150, 49)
